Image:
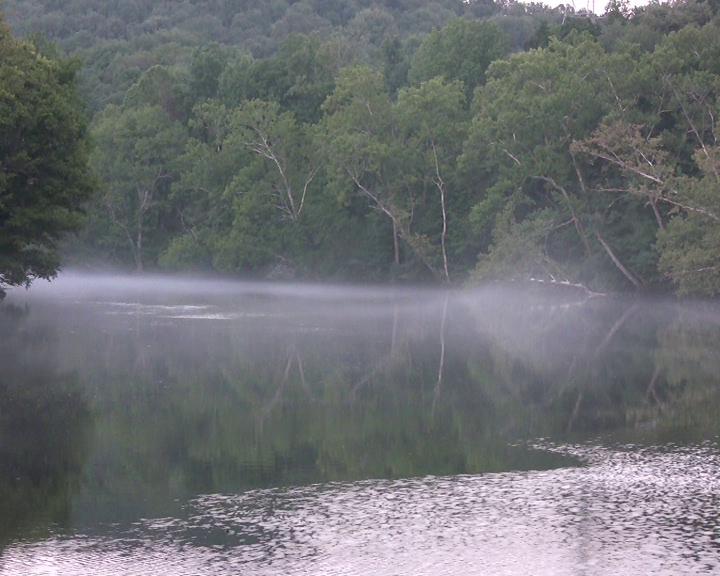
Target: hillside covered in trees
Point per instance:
(403, 140)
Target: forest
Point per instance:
(441, 141)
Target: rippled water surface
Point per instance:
(189, 428)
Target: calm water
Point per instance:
(169, 426)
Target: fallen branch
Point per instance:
(567, 284)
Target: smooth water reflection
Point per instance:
(220, 428)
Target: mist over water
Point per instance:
(214, 427)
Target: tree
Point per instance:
(462, 50)
(270, 193)
(689, 233)
(135, 156)
(432, 122)
(361, 153)
(536, 209)
(670, 158)
(299, 77)
(207, 65)
(396, 156)
(160, 86)
(279, 141)
(395, 64)
(542, 36)
(365, 155)
(211, 159)
(369, 29)
(244, 188)
(688, 245)
(44, 176)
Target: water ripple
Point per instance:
(627, 510)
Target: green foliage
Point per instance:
(518, 246)
(462, 50)
(400, 157)
(395, 64)
(163, 87)
(528, 113)
(646, 26)
(363, 157)
(432, 122)
(689, 254)
(207, 166)
(400, 140)
(44, 178)
(269, 194)
(234, 82)
(600, 198)
(206, 67)
(306, 77)
(369, 28)
(562, 31)
(299, 77)
(670, 157)
(687, 246)
(135, 156)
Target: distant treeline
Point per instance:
(399, 140)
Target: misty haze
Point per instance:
(402, 288)
(198, 427)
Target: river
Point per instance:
(187, 427)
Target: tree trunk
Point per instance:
(396, 242)
(138, 245)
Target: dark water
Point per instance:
(166, 426)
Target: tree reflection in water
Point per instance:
(206, 389)
(45, 427)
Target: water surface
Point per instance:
(190, 427)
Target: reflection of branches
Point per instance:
(441, 366)
(384, 362)
(651, 387)
(298, 358)
(380, 367)
(687, 353)
(293, 357)
(570, 383)
(606, 340)
(599, 350)
(575, 411)
(609, 336)
(394, 329)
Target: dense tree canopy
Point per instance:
(462, 50)
(417, 140)
(43, 159)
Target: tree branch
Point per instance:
(637, 283)
(576, 219)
